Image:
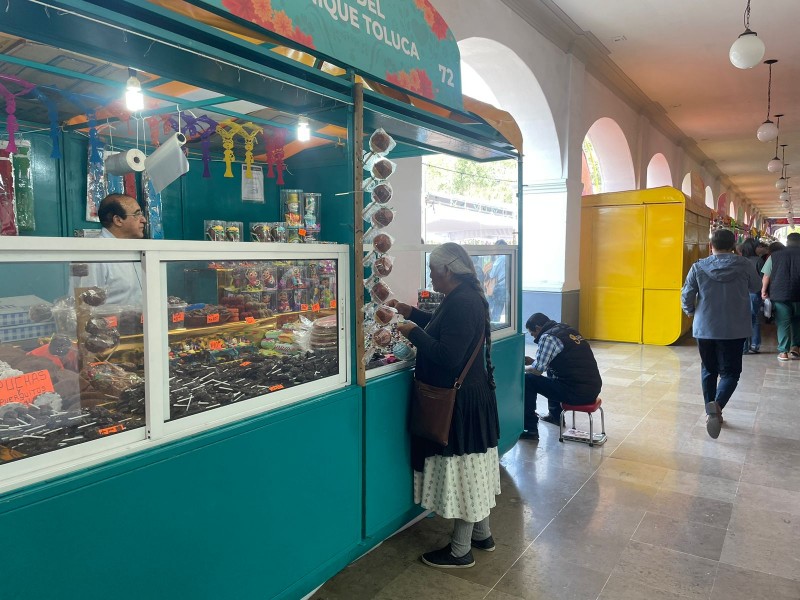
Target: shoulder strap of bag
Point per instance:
(460, 379)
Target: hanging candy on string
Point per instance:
(275, 140)
(227, 130)
(249, 132)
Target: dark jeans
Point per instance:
(556, 392)
(720, 359)
(754, 341)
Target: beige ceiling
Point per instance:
(673, 66)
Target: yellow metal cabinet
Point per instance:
(636, 248)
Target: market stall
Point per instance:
(254, 385)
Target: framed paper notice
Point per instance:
(253, 186)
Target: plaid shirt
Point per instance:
(548, 348)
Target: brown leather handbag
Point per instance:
(432, 407)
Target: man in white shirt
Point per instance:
(122, 218)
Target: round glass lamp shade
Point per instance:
(785, 205)
(784, 196)
(781, 184)
(767, 132)
(747, 51)
(775, 165)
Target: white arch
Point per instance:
(518, 92)
(686, 184)
(658, 172)
(614, 155)
(709, 198)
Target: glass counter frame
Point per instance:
(154, 255)
(498, 333)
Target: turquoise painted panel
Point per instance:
(388, 476)
(48, 210)
(403, 42)
(247, 511)
(337, 211)
(508, 358)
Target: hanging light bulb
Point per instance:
(768, 130)
(784, 196)
(303, 130)
(134, 100)
(748, 50)
(775, 165)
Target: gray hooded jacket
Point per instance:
(716, 292)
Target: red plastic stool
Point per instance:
(573, 435)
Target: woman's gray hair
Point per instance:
(454, 257)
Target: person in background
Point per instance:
(717, 294)
(752, 345)
(572, 373)
(495, 285)
(122, 219)
(781, 284)
(460, 480)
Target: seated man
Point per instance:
(572, 374)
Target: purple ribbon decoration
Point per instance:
(192, 130)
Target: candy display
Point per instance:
(381, 142)
(382, 168)
(94, 296)
(382, 337)
(260, 232)
(97, 344)
(382, 217)
(382, 192)
(97, 326)
(380, 292)
(60, 344)
(382, 243)
(383, 266)
(215, 231)
(233, 231)
(39, 313)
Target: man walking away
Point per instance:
(781, 284)
(717, 294)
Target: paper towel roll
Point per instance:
(122, 163)
(167, 162)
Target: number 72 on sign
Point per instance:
(447, 75)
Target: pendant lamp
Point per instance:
(748, 50)
(768, 130)
(775, 165)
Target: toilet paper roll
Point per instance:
(167, 162)
(123, 163)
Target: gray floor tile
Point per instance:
(621, 588)
(681, 535)
(769, 554)
(734, 583)
(696, 509)
(421, 581)
(667, 570)
(705, 486)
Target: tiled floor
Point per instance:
(660, 512)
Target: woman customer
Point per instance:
(458, 481)
(752, 345)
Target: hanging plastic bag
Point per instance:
(8, 209)
(23, 187)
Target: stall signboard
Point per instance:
(405, 43)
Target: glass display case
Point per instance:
(139, 348)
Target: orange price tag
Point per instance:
(315, 307)
(112, 321)
(113, 429)
(302, 232)
(275, 388)
(24, 388)
(178, 317)
(213, 318)
(304, 307)
(246, 363)
(249, 320)
(333, 303)
(425, 294)
(216, 345)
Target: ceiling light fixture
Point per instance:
(303, 130)
(775, 165)
(768, 131)
(784, 197)
(134, 100)
(748, 50)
